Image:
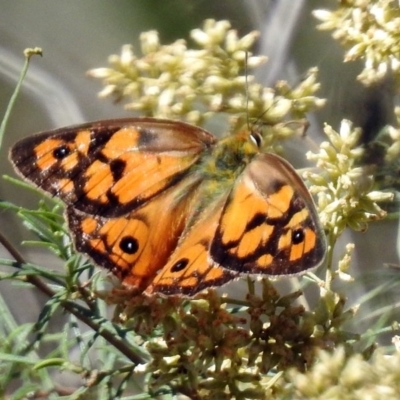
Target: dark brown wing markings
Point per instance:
(189, 285)
(157, 138)
(280, 264)
(269, 224)
(189, 268)
(136, 245)
(183, 278)
(99, 245)
(24, 157)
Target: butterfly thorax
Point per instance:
(218, 170)
(228, 158)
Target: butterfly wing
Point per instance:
(190, 268)
(269, 224)
(110, 167)
(136, 245)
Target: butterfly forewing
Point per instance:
(110, 167)
(269, 224)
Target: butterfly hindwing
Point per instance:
(110, 167)
(190, 268)
(269, 224)
(137, 245)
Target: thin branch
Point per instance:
(70, 306)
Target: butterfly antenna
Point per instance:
(246, 71)
(246, 59)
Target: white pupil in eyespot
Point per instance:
(256, 139)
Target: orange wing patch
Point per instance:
(190, 268)
(111, 167)
(268, 225)
(134, 246)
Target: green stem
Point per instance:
(28, 54)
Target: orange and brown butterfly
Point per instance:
(169, 209)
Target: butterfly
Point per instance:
(169, 209)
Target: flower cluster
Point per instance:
(335, 376)
(212, 348)
(371, 32)
(174, 81)
(200, 348)
(393, 151)
(345, 189)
